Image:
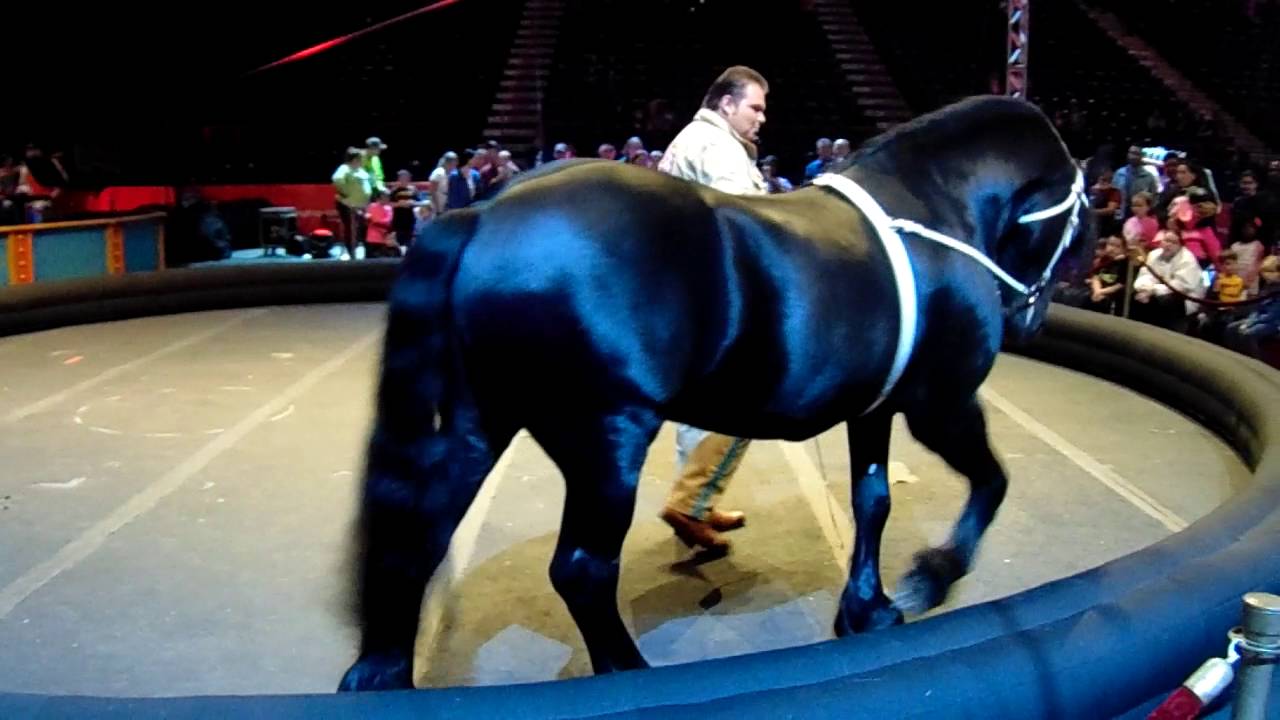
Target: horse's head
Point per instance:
(998, 175)
(1046, 238)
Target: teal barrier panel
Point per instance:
(69, 253)
(141, 250)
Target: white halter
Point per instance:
(887, 229)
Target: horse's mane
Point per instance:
(945, 122)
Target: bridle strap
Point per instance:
(916, 228)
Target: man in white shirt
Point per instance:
(717, 149)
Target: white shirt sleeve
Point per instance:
(1186, 275)
(1145, 280)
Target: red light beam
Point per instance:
(343, 39)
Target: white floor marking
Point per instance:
(73, 482)
(833, 516)
(900, 473)
(1102, 473)
(93, 537)
(54, 399)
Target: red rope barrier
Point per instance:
(1181, 705)
(1209, 303)
(1200, 689)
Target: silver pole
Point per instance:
(1260, 648)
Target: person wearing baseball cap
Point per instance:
(373, 148)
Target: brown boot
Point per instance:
(726, 520)
(692, 531)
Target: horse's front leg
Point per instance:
(863, 605)
(960, 438)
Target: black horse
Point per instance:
(589, 302)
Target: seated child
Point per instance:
(380, 214)
(1229, 287)
(1109, 278)
(1264, 322)
(1249, 250)
(1142, 227)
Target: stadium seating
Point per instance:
(1231, 55)
(607, 68)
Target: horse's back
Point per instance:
(630, 285)
(587, 277)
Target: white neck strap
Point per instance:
(887, 229)
(902, 275)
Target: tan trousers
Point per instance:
(706, 474)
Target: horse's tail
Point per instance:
(418, 352)
(421, 467)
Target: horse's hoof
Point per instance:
(868, 617)
(634, 662)
(926, 586)
(378, 672)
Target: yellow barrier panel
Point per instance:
(115, 249)
(21, 262)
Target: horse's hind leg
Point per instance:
(600, 458)
(960, 438)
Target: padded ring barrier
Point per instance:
(1101, 643)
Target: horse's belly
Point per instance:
(756, 400)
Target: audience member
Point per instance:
(352, 190)
(1264, 322)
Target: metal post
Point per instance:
(1259, 649)
(1131, 271)
(1015, 71)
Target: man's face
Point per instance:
(745, 116)
(1248, 185)
(840, 149)
(1135, 159)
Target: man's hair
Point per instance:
(1228, 256)
(733, 82)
